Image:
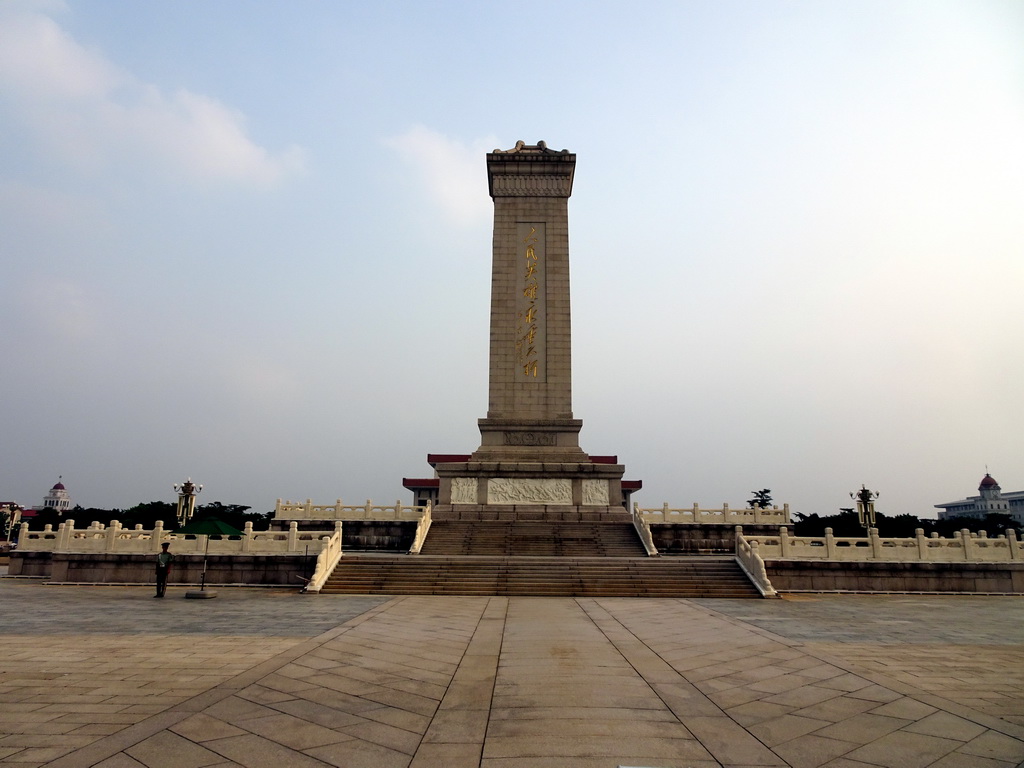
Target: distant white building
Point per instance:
(991, 500)
(58, 498)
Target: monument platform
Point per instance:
(531, 512)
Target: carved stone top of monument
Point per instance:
(521, 147)
(530, 171)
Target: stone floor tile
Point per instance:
(834, 710)
(960, 760)
(385, 735)
(596, 762)
(803, 697)
(729, 743)
(907, 708)
(902, 749)
(168, 750)
(734, 696)
(785, 728)
(812, 750)
(349, 754)
(946, 725)
(120, 760)
(995, 745)
(557, 744)
(875, 693)
(202, 727)
(460, 726)
(37, 755)
(447, 755)
(321, 714)
(756, 712)
(863, 728)
(256, 752)
(293, 732)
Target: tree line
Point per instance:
(147, 513)
(847, 523)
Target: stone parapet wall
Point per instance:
(305, 511)
(962, 547)
(284, 570)
(28, 563)
(701, 538)
(723, 515)
(532, 513)
(114, 538)
(953, 578)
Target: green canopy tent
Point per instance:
(209, 527)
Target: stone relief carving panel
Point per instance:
(464, 490)
(595, 493)
(529, 438)
(504, 490)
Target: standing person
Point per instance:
(163, 568)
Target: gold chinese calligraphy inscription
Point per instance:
(530, 301)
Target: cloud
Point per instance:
(449, 170)
(90, 114)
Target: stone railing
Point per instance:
(963, 547)
(724, 516)
(643, 529)
(294, 510)
(749, 558)
(326, 561)
(422, 528)
(116, 539)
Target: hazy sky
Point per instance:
(250, 243)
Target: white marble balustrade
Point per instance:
(724, 515)
(114, 538)
(963, 547)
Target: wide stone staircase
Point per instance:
(543, 558)
(532, 539)
(365, 574)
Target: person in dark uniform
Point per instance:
(163, 568)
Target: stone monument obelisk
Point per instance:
(529, 464)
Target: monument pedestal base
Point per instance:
(530, 490)
(530, 513)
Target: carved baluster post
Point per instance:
(783, 542)
(968, 544)
(112, 532)
(922, 544)
(876, 544)
(830, 545)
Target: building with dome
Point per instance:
(991, 500)
(58, 498)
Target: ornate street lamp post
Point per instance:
(187, 493)
(11, 515)
(865, 506)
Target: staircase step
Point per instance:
(552, 576)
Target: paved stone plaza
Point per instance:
(108, 676)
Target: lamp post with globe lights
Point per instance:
(187, 493)
(11, 516)
(865, 506)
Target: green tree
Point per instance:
(762, 499)
(236, 515)
(147, 513)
